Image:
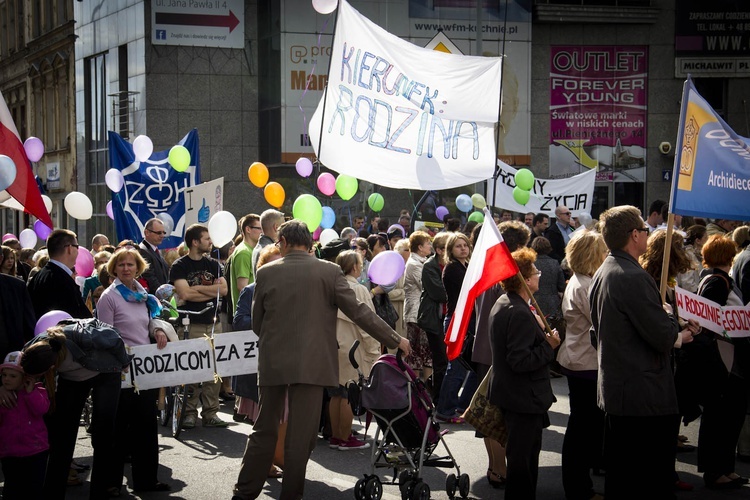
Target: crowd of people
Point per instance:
(635, 369)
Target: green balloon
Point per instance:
(478, 201)
(346, 186)
(477, 217)
(525, 180)
(521, 195)
(307, 208)
(376, 202)
(179, 158)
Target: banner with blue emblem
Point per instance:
(712, 163)
(152, 189)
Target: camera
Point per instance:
(665, 148)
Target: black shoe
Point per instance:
(740, 480)
(226, 396)
(237, 417)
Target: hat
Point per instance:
(13, 361)
(334, 247)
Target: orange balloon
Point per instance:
(258, 174)
(274, 193)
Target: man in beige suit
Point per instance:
(294, 315)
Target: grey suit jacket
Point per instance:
(157, 273)
(635, 339)
(295, 304)
(520, 358)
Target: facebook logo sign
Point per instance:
(161, 34)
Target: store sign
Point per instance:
(206, 23)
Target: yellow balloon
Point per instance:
(258, 174)
(274, 193)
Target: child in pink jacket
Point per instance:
(23, 434)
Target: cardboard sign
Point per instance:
(183, 362)
(236, 353)
(732, 320)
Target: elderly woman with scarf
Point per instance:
(126, 306)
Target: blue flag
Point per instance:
(712, 163)
(151, 188)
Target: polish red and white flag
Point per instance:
(24, 188)
(491, 262)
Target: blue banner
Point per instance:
(151, 188)
(712, 164)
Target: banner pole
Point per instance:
(496, 173)
(665, 258)
(325, 91)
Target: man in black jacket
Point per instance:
(157, 273)
(559, 233)
(53, 288)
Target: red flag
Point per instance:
(24, 189)
(491, 262)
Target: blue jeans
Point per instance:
(449, 402)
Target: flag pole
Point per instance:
(496, 172)
(533, 301)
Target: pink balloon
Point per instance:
(9, 236)
(304, 167)
(316, 233)
(386, 268)
(50, 319)
(327, 183)
(110, 213)
(84, 263)
(42, 230)
(34, 148)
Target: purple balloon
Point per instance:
(34, 148)
(441, 212)
(50, 319)
(304, 167)
(386, 268)
(109, 210)
(41, 230)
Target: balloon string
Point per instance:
(309, 79)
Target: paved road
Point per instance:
(203, 464)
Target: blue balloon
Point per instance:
(329, 218)
(464, 203)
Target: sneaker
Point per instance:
(214, 422)
(353, 444)
(334, 443)
(189, 422)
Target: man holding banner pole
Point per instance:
(295, 306)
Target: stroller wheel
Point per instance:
(451, 482)
(359, 490)
(404, 476)
(406, 489)
(464, 485)
(421, 492)
(373, 489)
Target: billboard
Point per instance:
(598, 111)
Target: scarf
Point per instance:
(140, 295)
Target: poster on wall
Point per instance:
(598, 111)
(305, 49)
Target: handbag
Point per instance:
(485, 417)
(384, 308)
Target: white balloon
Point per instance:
(114, 180)
(143, 148)
(27, 238)
(168, 222)
(78, 206)
(7, 171)
(47, 203)
(221, 228)
(324, 6)
(327, 235)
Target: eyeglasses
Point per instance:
(640, 229)
(72, 245)
(156, 232)
(538, 272)
(256, 227)
(566, 213)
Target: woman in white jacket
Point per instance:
(369, 349)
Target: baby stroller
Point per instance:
(404, 412)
